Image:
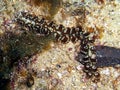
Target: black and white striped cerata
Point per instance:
(87, 54)
(66, 34)
(40, 25)
(34, 23)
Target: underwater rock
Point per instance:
(107, 56)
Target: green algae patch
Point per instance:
(15, 47)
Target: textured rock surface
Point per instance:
(56, 67)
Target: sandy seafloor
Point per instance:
(56, 67)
